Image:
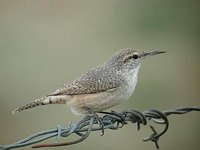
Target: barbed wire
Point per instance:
(109, 120)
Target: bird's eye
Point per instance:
(135, 56)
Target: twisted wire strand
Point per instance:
(110, 120)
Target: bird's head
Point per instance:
(130, 59)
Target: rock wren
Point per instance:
(100, 88)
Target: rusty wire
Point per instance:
(109, 120)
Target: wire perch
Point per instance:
(109, 120)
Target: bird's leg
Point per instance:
(99, 119)
(121, 116)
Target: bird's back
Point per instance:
(98, 79)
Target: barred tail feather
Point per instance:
(59, 99)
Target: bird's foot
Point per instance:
(97, 118)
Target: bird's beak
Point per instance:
(152, 53)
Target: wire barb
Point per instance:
(109, 120)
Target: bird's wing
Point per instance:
(94, 81)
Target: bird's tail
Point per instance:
(58, 99)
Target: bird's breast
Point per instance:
(128, 89)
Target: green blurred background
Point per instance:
(44, 44)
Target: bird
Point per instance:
(100, 88)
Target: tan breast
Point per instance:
(96, 102)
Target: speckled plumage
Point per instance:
(99, 79)
(101, 87)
